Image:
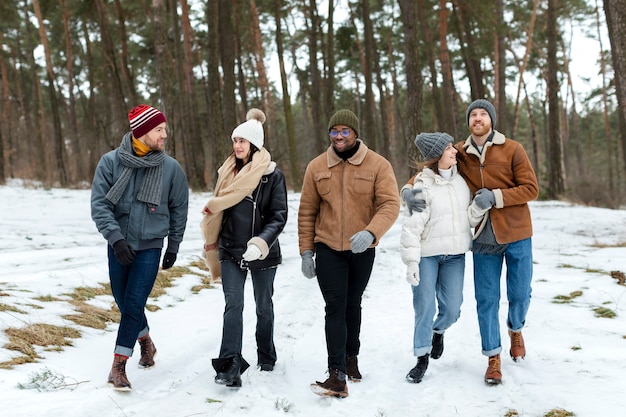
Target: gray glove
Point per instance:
(308, 264)
(412, 202)
(360, 241)
(484, 198)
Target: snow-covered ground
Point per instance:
(575, 360)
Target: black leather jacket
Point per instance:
(262, 214)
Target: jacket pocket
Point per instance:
(322, 183)
(364, 183)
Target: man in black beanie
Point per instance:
(501, 177)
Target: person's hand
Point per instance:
(413, 274)
(123, 252)
(252, 253)
(308, 264)
(484, 199)
(360, 241)
(413, 203)
(168, 260)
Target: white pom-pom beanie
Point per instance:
(252, 129)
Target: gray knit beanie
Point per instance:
(432, 145)
(481, 103)
(347, 118)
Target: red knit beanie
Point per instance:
(143, 119)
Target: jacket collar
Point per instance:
(333, 159)
(498, 139)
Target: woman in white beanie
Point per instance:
(433, 244)
(241, 226)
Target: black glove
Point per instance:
(168, 260)
(123, 252)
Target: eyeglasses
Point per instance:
(343, 132)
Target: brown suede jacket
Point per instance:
(504, 168)
(340, 198)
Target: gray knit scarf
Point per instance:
(152, 184)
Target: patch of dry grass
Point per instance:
(558, 412)
(94, 317)
(24, 339)
(87, 293)
(46, 298)
(564, 299)
(13, 309)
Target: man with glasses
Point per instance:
(349, 200)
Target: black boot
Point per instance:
(229, 370)
(437, 343)
(416, 374)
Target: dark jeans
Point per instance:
(233, 282)
(342, 277)
(131, 286)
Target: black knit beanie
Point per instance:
(482, 104)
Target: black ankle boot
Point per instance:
(229, 370)
(437, 343)
(416, 374)
(229, 373)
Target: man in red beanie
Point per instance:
(139, 195)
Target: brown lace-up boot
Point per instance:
(334, 386)
(117, 376)
(352, 369)
(148, 351)
(493, 376)
(518, 350)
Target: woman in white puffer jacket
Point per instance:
(433, 246)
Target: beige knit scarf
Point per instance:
(230, 189)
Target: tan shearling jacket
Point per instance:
(340, 198)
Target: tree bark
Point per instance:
(556, 181)
(615, 13)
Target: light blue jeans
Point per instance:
(441, 280)
(487, 277)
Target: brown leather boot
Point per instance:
(352, 369)
(334, 386)
(518, 350)
(148, 351)
(493, 376)
(117, 376)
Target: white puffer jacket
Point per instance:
(444, 227)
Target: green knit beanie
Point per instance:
(347, 118)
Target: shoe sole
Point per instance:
(493, 381)
(324, 392)
(120, 389)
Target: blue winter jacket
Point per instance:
(142, 225)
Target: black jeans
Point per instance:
(342, 277)
(233, 282)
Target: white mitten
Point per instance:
(252, 253)
(413, 274)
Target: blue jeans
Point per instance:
(233, 282)
(131, 286)
(487, 275)
(441, 280)
(342, 277)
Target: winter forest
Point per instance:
(71, 70)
